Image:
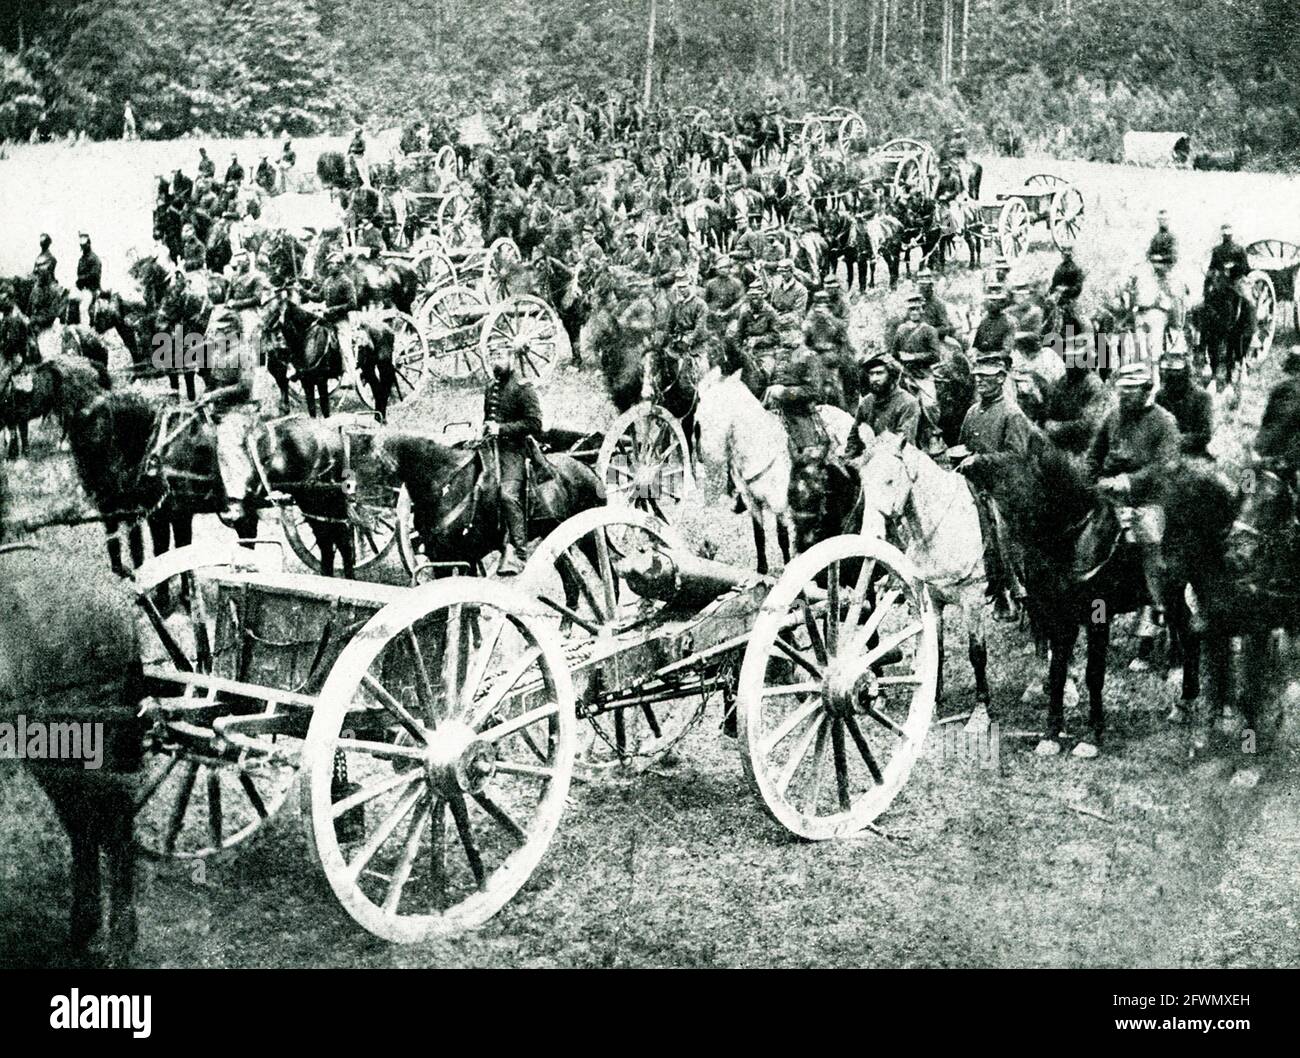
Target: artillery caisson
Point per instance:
(437, 728)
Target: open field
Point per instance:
(1137, 858)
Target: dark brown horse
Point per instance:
(70, 666)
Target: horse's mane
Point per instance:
(1043, 493)
(420, 460)
(110, 438)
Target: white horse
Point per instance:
(737, 432)
(900, 483)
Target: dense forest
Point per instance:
(1066, 75)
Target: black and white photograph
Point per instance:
(649, 484)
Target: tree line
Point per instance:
(1068, 75)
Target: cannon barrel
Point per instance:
(679, 577)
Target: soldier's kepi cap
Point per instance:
(994, 292)
(915, 299)
(755, 288)
(880, 358)
(1174, 359)
(723, 262)
(821, 296)
(925, 275)
(681, 277)
(991, 363)
(1136, 375)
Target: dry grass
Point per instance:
(1003, 866)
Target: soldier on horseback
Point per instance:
(1066, 289)
(1136, 442)
(994, 425)
(933, 310)
(723, 296)
(90, 274)
(1187, 401)
(886, 408)
(828, 336)
(916, 347)
(1164, 243)
(512, 414)
(229, 363)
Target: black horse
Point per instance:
(69, 655)
(456, 495)
(1079, 571)
(300, 347)
(1226, 321)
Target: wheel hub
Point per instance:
(458, 760)
(846, 685)
(646, 481)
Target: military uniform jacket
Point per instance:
(48, 302)
(1193, 410)
(1139, 446)
(1164, 243)
(515, 407)
(686, 319)
(89, 272)
(16, 345)
(995, 427)
(1068, 279)
(1231, 257)
(897, 412)
(723, 293)
(826, 332)
(916, 345)
(789, 299)
(340, 298)
(756, 321)
(247, 290)
(935, 313)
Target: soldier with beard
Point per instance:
(1076, 403)
(886, 408)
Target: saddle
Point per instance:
(1097, 544)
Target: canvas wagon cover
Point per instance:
(1157, 148)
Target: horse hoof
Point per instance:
(1226, 725)
(1071, 693)
(1139, 665)
(978, 723)
(1084, 751)
(1178, 715)
(1047, 747)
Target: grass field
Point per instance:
(1137, 858)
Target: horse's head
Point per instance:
(1267, 518)
(888, 474)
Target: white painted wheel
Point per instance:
(1264, 298)
(456, 223)
(199, 797)
(1065, 217)
(852, 130)
(645, 462)
(1013, 229)
(502, 258)
(453, 713)
(451, 319)
(529, 330)
(837, 687)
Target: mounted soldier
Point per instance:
(90, 274)
(723, 296)
(756, 332)
(47, 304)
(1164, 243)
(1065, 290)
(1076, 404)
(788, 297)
(933, 310)
(512, 415)
(994, 425)
(794, 393)
(828, 336)
(228, 367)
(1187, 401)
(917, 348)
(886, 407)
(1136, 443)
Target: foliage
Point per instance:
(1066, 75)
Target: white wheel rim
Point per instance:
(530, 330)
(644, 462)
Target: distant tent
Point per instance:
(474, 129)
(1158, 148)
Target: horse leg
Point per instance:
(785, 535)
(114, 542)
(1095, 677)
(979, 663)
(120, 851)
(347, 544)
(74, 814)
(136, 539)
(1062, 639)
(309, 393)
(323, 391)
(760, 537)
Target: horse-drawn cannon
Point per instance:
(840, 127)
(1044, 199)
(907, 166)
(467, 321)
(436, 728)
(1273, 263)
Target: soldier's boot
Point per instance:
(510, 562)
(512, 504)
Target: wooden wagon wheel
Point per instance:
(450, 320)
(1013, 229)
(456, 224)
(645, 462)
(837, 687)
(499, 265)
(813, 136)
(1264, 298)
(374, 531)
(434, 268)
(1281, 261)
(1065, 216)
(576, 573)
(453, 712)
(447, 165)
(410, 359)
(529, 330)
(1045, 180)
(852, 130)
(199, 797)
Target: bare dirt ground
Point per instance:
(1138, 858)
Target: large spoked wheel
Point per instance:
(456, 224)
(585, 572)
(502, 259)
(1264, 298)
(451, 319)
(200, 796)
(1042, 181)
(837, 687)
(813, 137)
(853, 130)
(410, 360)
(645, 462)
(452, 715)
(446, 164)
(1065, 218)
(1013, 229)
(371, 519)
(434, 268)
(529, 331)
